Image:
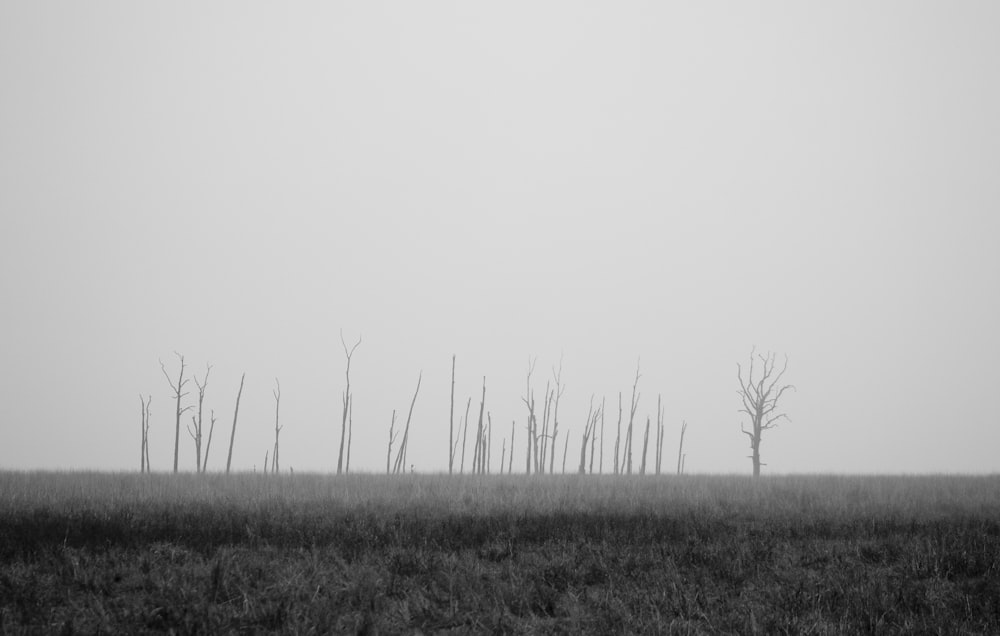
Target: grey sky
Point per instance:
(238, 181)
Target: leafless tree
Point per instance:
(600, 469)
(529, 401)
(559, 388)
(346, 400)
(451, 421)
(208, 442)
(565, 450)
(144, 430)
(232, 433)
(645, 448)
(465, 435)
(195, 429)
(659, 434)
(275, 463)
(631, 418)
(510, 462)
(179, 393)
(401, 454)
(760, 397)
(618, 437)
(478, 458)
(680, 449)
(392, 440)
(588, 430)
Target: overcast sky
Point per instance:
(599, 181)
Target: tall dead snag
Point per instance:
(565, 450)
(558, 391)
(208, 442)
(618, 437)
(680, 449)
(600, 468)
(488, 444)
(593, 436)
(645, 448)
(451, 421)
(465, 435)
(392, 440)
(510, 462)
(544, 436)
(478, 458)
(760, 400)
(529, 401)
(350, 433)
(346, 400)
(401, 453)
(144, 430)
(588, 430)
(631, 418)
(275, 463)
(195, 429)
(232, 434)
(659, 433)
(179, 393)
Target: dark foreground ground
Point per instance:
(666, 555)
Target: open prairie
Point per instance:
(566, 554)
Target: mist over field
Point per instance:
(588, 182)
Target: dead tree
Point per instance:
(593, 437)
(565, 450)
(588, 430)
(478, 458)
(195, 429)
(179, 393)
(760, 397)
(659, 433)
(232, 433)
(275, 463)
(392, 440)
(346, 400)
(544, 435)
(503, 455)
(618, 437)
(144, 430)
(451, 421)
(350, 433)
(489, 443)
(208, 442)
(555, 413)
(401, 453)
(600, 468)
(680, 449)
(529, 401)
(465, 435)
(631, 418)
(510, 462)
(645, 449)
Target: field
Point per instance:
(134, 553)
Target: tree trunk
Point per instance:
(451, 421)
(232, 434)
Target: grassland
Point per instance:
(318, 554)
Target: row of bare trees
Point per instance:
(759, 393)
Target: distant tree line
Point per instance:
(759, 391)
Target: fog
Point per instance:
(597, 183)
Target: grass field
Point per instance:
(319, 554)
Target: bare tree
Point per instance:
(346, 399)
(588, 430)
(659, 434)
(557, 376)
(144, 430)
(275, 463)
(631, 418)
(510, 462)
(618, 437)
(600, 469)
(565, 450)
(680, 449)
(645, 448)
(401, 454)
(451, 421)
(392, 440)
(478, 458)
(208, 442)
(195, 429)
(529, 401)
(232, 434)
(760, 400)
(465, 435)
(179, 393)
